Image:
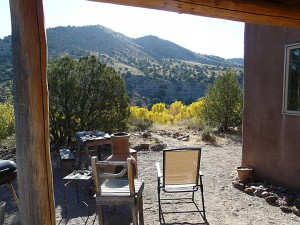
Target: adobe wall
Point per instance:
(271, 140)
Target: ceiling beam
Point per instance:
(272, 12)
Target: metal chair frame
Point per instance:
(161, 184)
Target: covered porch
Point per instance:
(35, 177)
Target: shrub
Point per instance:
(223, 102)
(7, 119)
(139, 124)
(138, 119)
(208, 135)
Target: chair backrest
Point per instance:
(181, 166)
(100, 176)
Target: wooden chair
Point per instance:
(181, 173)
(117, 189)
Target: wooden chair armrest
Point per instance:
(95, 175)
(158, 170)
(130, 176)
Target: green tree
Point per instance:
(62, 98)
(7, 119)
(7, 116)
(6, 93)
(85, 95)
(224, 102)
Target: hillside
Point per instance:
(151, 67)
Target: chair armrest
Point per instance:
(130, 176)
(158, 170)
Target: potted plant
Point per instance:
(245, 173)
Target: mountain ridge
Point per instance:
(151, 67)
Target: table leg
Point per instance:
(87, 161)
(99, 152)
(78, 152)
(77, 189)
(65, 198)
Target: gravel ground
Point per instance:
(224, 203)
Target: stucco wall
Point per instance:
(271, 140)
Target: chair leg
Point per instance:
(193, 196)
(134, 214)
(100, 214)
(141, 211)
(202, 196)
(159, 205)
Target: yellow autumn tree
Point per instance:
(176, 113)
(196, 107)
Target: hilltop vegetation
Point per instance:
(90, 96)
(151, 67)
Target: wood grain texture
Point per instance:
(118, 191)
(35, 184)
(272, 12)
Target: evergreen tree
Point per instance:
(85, 95)
(224, 102)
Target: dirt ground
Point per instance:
(224, 203)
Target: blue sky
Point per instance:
(203, 35)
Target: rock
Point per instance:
(238, 185)
(176, 135)
(158, 147)
(295, 210)
(137, 148)
(253, 187)
(265, 194)
(271, 199)
(144, 146)
(285, 208)
(284, 203)
(185, 139)
(249, 191)
(288, 199)
(146, 134)
(258, 192)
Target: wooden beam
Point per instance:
(35, 184)
(272, 12)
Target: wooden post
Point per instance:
(35, 184)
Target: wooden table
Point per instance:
(76, 176)
(89, 142)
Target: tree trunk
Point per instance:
(35, 184)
